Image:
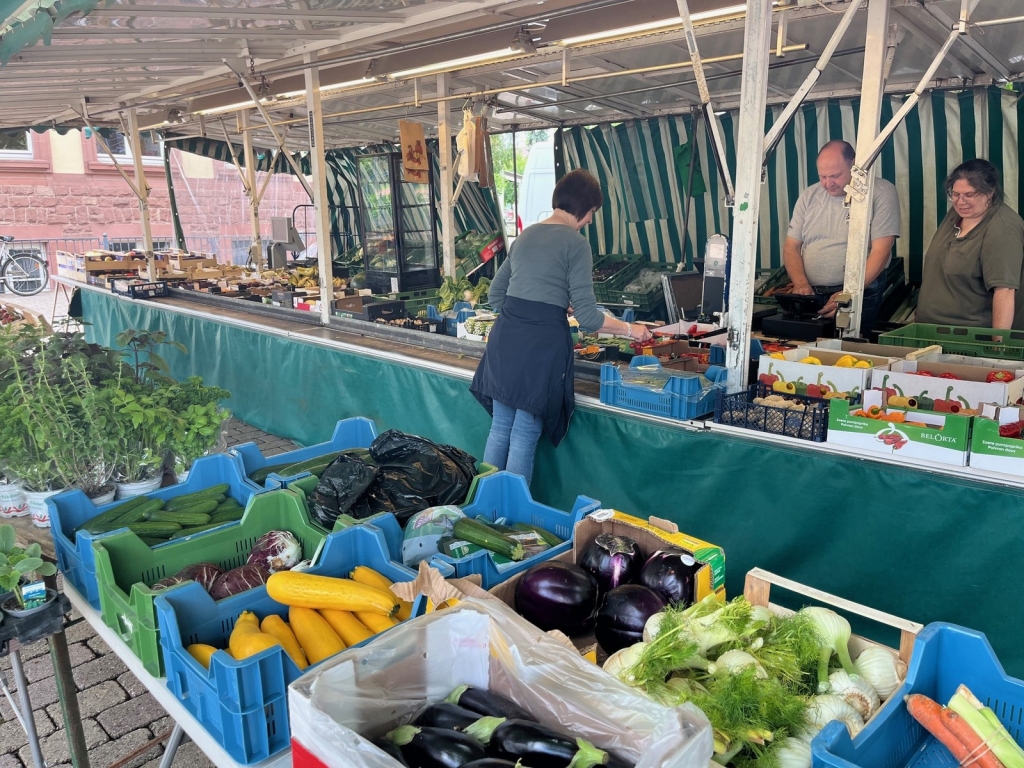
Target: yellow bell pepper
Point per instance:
(786, 387)
(846, 361)
(811, 360)
(862, 364)
(777, 356)
(836, 395)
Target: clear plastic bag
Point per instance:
(361, 694)
(647, 280)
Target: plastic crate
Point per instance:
(506, 495)
(126, 568)
(243, 704)
(739, 410)
(604, 289)
(682, 397)
(414, 300)
(976, 342)
(384, 520)
(348, 433)
(643, 301)
(776, 279)
(945, 656)
(70, 509)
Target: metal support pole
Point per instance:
(68, 697)
(25, 704)
(444, 147)
(172, 746)
(862, 184)
(143, 191)
(249, 183)
(318, 163)
(757, 36)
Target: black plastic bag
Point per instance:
(341, 491)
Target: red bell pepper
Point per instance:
(948, 376)
(768, 379)
(923, 373)
(999, 376)
(1014, 429)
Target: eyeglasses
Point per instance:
(967, 197)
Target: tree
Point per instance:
(501, 155)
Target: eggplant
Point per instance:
(614, 761)
(492, 762)
(612, 560)
(557, 595)
(541, 747)
(673, 573)
(436, 747)
(391, 749)
(487, 704)
(446, 715)
(623, 614)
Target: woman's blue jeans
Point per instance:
(512, 441)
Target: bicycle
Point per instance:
(24, 274)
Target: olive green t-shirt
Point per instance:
(960, 273)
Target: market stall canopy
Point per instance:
(559, 62)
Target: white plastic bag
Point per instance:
(363, 693)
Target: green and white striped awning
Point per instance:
(643, 209)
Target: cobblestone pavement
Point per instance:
(40, 304)
(118, 714)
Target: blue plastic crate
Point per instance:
(682, 397)
(70, 509)
(945, 656)
(244, 704)
(348, 433)
(506, 495)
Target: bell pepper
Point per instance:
(862, 364)
(768, 379)
(786, 387)
(924, 402)
(923, 373)
(948, 376)
(777, 356)
(811, 360)
(874, 412)
(999, 377)
(1014, 429)
(947, 405)
(898, 417)
(831, 395)
(846, 361)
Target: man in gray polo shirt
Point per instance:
(815, 247)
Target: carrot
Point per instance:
(929, 714)
(980, 753)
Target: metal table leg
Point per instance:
(67, 694)
(172, 746)
(26, 709)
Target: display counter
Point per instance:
(855, 525)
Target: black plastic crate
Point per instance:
(739, 410)
(137, 289)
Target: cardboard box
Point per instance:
(969, 387)
(683, 356)
(352, 304)
(851, 380)
(185, 263)
(651, 535)
(206, 273)
(878, 350)
(992, 451)
(948, 445)
(282, 298)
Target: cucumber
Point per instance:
(197, 508)
(228, 504)
(214, 490)
(150, 541)
(481, 534)
(260, 475)
(195, 529)
(181, 502)
(112, 515)
(154, 530)
(184, 519)
(314, 466)
(131, 516)
(227, 516)
(545, 534)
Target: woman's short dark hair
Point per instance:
(578, 193)
(981, 175)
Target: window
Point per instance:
(117, 142)
(240, 250)
(16, 146)
(126, 245)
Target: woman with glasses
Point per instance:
(973, 267)
(525, 379)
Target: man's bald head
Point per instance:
(835, 160)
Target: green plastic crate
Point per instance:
(975, 342)
(603, 289)
(777, 278)
(415, 301)
(643, 301)
(126, 568)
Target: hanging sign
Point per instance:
(414, 146)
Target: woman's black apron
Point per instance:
(528, 364)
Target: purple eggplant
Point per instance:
(392, 750)
(447, 715)
(673, 573)
(612, 560)
(557, 595)
(487, 704)
(436, 747)
(492, 762)
(621, 618)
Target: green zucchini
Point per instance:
(227, 516)
(481, 534)
(548, 536)
(315, 465)
(154, 530)
(184, 519)
(194, 529)
(260, 475)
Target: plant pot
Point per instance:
(37, 507)
(127, 490)
(20, 613)
(181, 477)
(12, 501)
(106, 497)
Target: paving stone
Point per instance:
(131, 714)
(100, 698)
(55, 746)
(79, 632)
(112, 751)
(108, 667)
(12, 737)
(131, 685)
(42, 666)
(42, 694)
(98, 646)
(10, 761)
(187, 756)
(162, 725)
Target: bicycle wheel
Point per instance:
(26, 275)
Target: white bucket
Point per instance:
(104, 498)
(127, 490)
(12, 501)
(37, 507)
(181, 477)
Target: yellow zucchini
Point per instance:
(202, 653)
(366, 575)
(375, 621)
(246, 639)
(275, 626)
(350, 629)
(314, 634)
(306, 590)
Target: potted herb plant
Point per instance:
(201, 420)
(143, 429)
(13, 502)
(17, 564)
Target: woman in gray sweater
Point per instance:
(525, 379)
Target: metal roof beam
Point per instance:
(273, 14)
(204, 33)
(983, 53)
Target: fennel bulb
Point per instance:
(880, 668)
(732, 662)
(856, 690)
(621, 662)
(827, 707)
(834, 634)
(792, 753)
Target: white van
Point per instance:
(537, 184)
